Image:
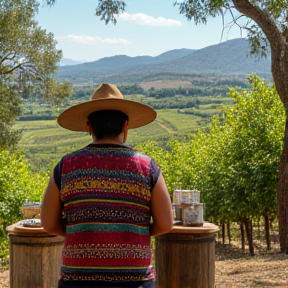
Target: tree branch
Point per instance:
(262, 18)
(20, 65)
(278, 44)
(8, 57)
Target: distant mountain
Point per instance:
(123, 61)
(173, 54)
(67, 61)
(228, 58)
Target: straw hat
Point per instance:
(106, 97)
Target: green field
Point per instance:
(44, 142)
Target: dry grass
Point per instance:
(236, 269)
(4, 279)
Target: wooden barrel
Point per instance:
(185, 258)
(35, 261)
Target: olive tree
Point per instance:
(26, 51)
(28, 58)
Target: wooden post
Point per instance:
(185, 257)
(34, 257)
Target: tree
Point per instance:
(18, 184)
(10, 109)
(266, 23)
(28, 58)
(56, 92)
(235, 165)
(257, 122)
(26, 49)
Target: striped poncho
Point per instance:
(106, 191)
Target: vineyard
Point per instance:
(44, 142)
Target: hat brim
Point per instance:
(75, 117)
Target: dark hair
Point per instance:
(107, 122)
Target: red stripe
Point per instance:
(99, 162)
(101, 263)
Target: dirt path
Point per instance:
(167, 126)
(4, 279)
(236, 269)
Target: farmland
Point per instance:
(181, 111)
(44, 142)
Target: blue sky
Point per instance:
(148, 27)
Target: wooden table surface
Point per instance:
(18, 229)
(206, 228)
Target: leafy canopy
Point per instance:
(17, 185)
(28, 61)
(235, 164)
(26, 50)
(10, 109)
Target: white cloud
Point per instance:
(143, 19)
(91, 40)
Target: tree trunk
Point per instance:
(283, 195)
(228, 232)
(223, 232)
(248, 226)
(259, 228)
(267, 230)
(242, 236)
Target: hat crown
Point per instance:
(106, 97)
(105, 91)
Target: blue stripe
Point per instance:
(106, 227)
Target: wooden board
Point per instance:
(30, 230)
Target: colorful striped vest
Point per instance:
(106, 191)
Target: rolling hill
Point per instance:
(227, 58)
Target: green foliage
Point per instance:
(17, 185)
(277, 8)
(131, 89)
(10, 109)
(169, 158)
(275, 11)
(55, 92)
(201, 10)
(25, 47)
(44, 142)
(28, 61)
(265, 24)
(257, 125)
(108, 8)
(235, 165)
